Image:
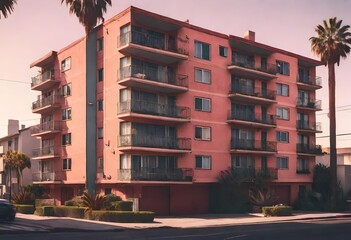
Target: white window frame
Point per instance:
(225, 51)
(205, 133)
(68, 139)
(283, 136)
(202, 75)
(282, 89)
(283, 113)
(66, 90)
(283, 67)
(206, 162)
(100, 133)
(198, 50)
(203, 104)
(66, 64)
(66, 164)
(282, 163)
(66, 114)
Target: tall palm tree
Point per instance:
(332, 44)
(6, 7)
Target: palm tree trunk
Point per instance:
(332, 131)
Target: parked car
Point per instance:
(7, 210)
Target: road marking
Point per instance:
(239, 236)
(201, 235)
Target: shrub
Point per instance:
(45, 211)
(93, 202)
(24, 196)
(24, 208)
(65, 211)
(122, 216)
(123, 206)
(111, 200)
(44, 202)
(277, 210)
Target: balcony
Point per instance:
(156, 174)
(154, 143)
(306, 126)
(151, 46)
(252, 95)
(49, 176)
(153, 79)
(252, 146)
(46, 104)
(307, 104)
(46, 153)
(308, 149)
(244, 68)
(44, 81)
(252, 119)
(46, 128)
(309, 83)
(135, 109)
(303, 171)
(251, 173)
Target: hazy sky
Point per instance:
(39, 26)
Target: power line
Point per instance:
(338, 135)
(13, 81)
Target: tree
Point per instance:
(331, 44)
(7, 7)
(15, 162)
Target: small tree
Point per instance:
(7, 7)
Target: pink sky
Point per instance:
(37, 27)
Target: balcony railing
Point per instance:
(317, 81)
(243, 62)
(147, 107)
(151, 40)
(253, 117)
(307, 125)
(314, 104)
(46, 101)
(303, 171)
(46, 127)
(309, 148)
(45, 151)
(154, 142)
(255, 92)
(253, 145)
(48, 176)
(156, 174)
(48, 75)
(252, 173)
(153, 74)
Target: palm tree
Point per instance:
(15, 162)
(6, 7)
(331, 44)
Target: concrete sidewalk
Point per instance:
(197, 221)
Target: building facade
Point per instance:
(153, 109)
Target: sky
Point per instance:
(39, 26)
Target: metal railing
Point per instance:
(153, 74)
(46, 151)
(48, 176)
(46, 101)
(243, 62)
(147, 107)
(154, 142)
(255, 92)
(309, 148)
(46, 126)
(303, 102)
(248, 144)
(156, 174)
(316, 81)
(152, 40)
(252, 117)
(47, 75)
(252, 173)
(307, 125)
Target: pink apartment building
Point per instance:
(153, 109)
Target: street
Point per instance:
(300, 229)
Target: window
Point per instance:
(203, 162)
(202, 75)
(202, 104)
(100, 104)
(66, 164)
(100, 164)
(66, 90)
(66, 139)
(100, 133)
(282, 136)
(66, 64)
(100, 44)
(282, 163)
(223, 51)
(283, 68)
(108, 191)
(202, 50)
(243, 162)
(100, 75)
(282, 90)
(282, 113)
(302, 166)
(67, 114)
(203, 133)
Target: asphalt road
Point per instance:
(335, 229)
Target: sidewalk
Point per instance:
(197, 221)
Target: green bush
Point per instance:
(66, 211)
(277, 210)
(123, 206)
(24, 208)
(44, 211)
(122, 216)
(39, 211)
(44, 202)
(111, 200)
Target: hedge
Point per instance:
(123, 206)
(122, 216)
(44, 202)
(278, 210)
(24, 208)
(61, 211)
